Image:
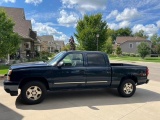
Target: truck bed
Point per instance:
(122, 64)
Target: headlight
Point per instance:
(8, 75)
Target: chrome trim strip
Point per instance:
(97, 81)
(69, 83)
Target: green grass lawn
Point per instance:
(128, 58)
(4, 69)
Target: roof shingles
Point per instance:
(120, 40)
(22, 26)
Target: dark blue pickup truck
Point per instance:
(73, 70)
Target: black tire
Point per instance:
(127, 88)
(33, 92)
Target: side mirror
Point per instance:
(60, 64)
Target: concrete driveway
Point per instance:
(102, 104)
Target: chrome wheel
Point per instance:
(33, 93)
(128, 88)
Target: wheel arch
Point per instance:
(29, 79)
(132, 77)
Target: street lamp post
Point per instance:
(97, 40)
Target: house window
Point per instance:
(130, 45)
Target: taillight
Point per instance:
(147, 72)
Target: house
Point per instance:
(48, 44)
(129, 44)
(24, 28)
(59, 44)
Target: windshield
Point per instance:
(56, 58)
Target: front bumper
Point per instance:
(11, 87)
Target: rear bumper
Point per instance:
(11, 87)
(147, 81)
(143, 82)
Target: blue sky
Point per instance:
(59, 17)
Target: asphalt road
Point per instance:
(102, 104)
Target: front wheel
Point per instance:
(33, 92)
(127, 88)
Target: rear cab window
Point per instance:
(96, 60)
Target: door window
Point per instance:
(73, 60)
(96, 59)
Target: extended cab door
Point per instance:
(98, 71)
(72, 72)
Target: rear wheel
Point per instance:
(127, 88)
(33, 92)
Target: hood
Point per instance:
(29, 65)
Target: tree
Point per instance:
(143, 49)
(87, 29)
(66, 47)
(124, 32)
(118, 51)
(72, 43)
(111, 33)
(108, 48)
(141, 34)
(158, 48)
(155, 39)
(9, 41)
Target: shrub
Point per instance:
(137, 55)
(143, 49)
(132, 55)
(125, 54)
(118, 51)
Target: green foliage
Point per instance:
(155, 39)
(72, 43)
(158, 48)
(9, 41)
(44, 56)
(111, 33)
(66, 47)
(143, 49)
(118, 51)
(87, 29)
(124, 32)
(132, 55)
(125, 54)
(108, 48)
(141, 34)
(4, 69)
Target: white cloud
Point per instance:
(85, 5)
(44, 28)
(47, 29)
(122, 24)
(128, 14)
(149, 29)
(158, 24)
(41, 16)
(35, 2)
(67, 19)
(113, 26)
(63, 37)
(113, 14)
(6, 1)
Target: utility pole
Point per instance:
(97, 40)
